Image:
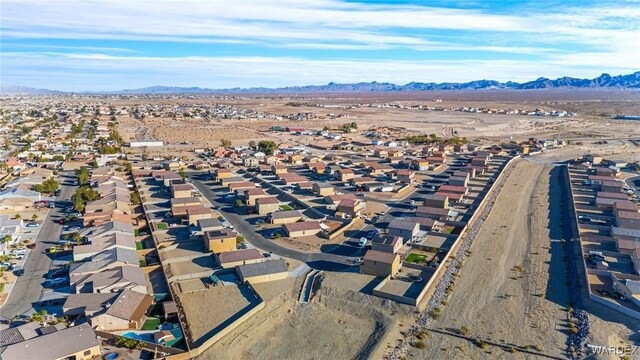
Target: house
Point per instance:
(200, 165)
(271, 160)
(628, 288)
(380, 263)
(10, 227)
(432, 212)
(404, 229)
(345, 174)
(105, 260)
(15, 199)
(219, 241)
(127, 312)
(111, 280)
(231, 259)
(436, 159)
(611, 186)
(251, 195)
(435, 200)
(420, 164)
(279, 169)
(196, 213)
(405, 176)
(285, 217)
(479, 161)
(381, 153)
(627, 240)
(181, 191)
(251, 162)
(295, 159)
(209, 224)
(386, 243)
(107, 229)
(179, 206)
(335, 199)
(222, 174)
(376, 169)
(97, 244)
(87, 304)
(454, 189)
(290, 179)
(305, 228)
(595, 159)
(237, 187)
(267, 205)
(628, 219)
(263, 271)
(77, 342)
(323, 189)
(460, 181)
(352, 207)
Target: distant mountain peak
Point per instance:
(630, 81)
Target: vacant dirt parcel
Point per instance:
(339, 323)
(511, 290)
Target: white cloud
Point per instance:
(320, 22)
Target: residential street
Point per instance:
(338, 259)
(28, 288)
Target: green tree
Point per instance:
(48, 186)
(239, 203)
(6, 239)
(267, 146)
(77, 238)
(83, 175)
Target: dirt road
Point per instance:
(511, 290)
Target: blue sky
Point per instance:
(118, 44)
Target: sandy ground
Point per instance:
(207, 309)
(511, 289)
(339, 323)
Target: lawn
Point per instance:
(139, 245)
(416, 258)
(151, 324)
(286, 207)
(162, 226)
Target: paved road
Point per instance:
(28, 289)
(631, 182)
(337, 259)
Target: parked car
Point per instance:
(58, 273)
(31, 246)
(372, 233)
(362, 242)
(57, 282)
(584, 218)
(18, 272)
(32, 225)
(57, 192)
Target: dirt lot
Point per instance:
(227, 302)
(340, 323)
(511, 290)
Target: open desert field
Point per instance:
(594, 111)
(511, 290)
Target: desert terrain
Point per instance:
(594, 111)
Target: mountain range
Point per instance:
(630, 81)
